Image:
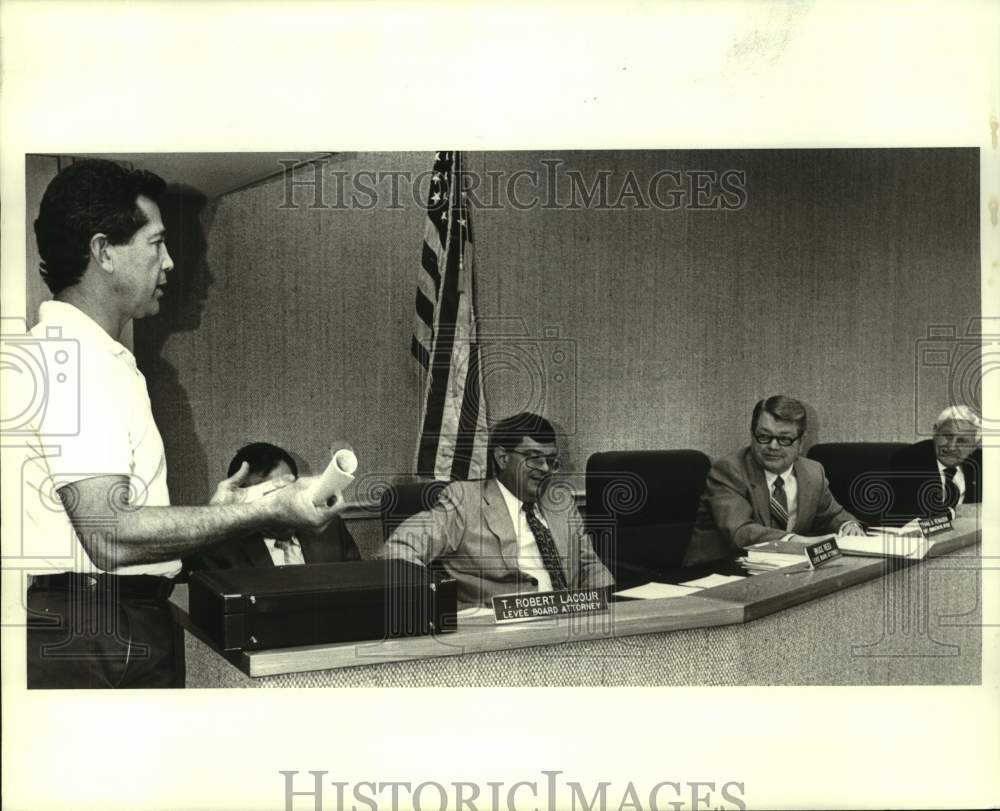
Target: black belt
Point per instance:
(135, 585)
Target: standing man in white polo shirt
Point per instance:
(100, 518)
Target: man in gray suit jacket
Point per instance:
(766, 491)
(508, 534)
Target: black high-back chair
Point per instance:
(860, 476)
(641, 507)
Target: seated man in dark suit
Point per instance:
(254, 464)
(766, 491)
(942, 474)
(509, 534)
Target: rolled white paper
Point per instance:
(336, 478)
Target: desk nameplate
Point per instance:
(541, 606)
(822, 552)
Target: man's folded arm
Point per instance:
(115, 533)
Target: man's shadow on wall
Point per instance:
(186, 214)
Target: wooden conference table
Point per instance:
(854, 620)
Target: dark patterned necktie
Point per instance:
(951, 491)
(547, 548)
(779, 505)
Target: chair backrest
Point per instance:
(400, 501)
(641, 507)
(860, 475)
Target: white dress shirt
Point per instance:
(959, 481)
(288, 553)
(529, 559)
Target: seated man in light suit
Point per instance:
(261, 462)
(942, 474)
(508, 534)
(766, 491)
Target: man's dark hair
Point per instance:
(509, 432)
(263, 457)
(782, 408)
(86, 198)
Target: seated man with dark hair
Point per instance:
(255, 464)
(766, 491)
(940, 475)
(510, 533)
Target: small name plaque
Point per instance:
(549, 604)
(932, 526)
(822, 552)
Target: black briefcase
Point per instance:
(285, 606)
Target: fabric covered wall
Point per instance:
(652, 327)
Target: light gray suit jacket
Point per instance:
(735, 512)
(470, 533)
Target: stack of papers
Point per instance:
(773, 555)
(770, 562)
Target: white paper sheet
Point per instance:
(657, 591)
(912, 528)
(477, 612)
(713, 580)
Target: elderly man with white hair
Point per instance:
(942, 474)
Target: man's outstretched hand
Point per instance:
(233, 491)
(292, 506)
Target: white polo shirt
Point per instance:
(94, 419)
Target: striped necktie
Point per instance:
(547, 548)
(779, 505)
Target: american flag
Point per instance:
(452, 443)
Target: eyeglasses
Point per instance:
(536, 461)
(784, 441)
